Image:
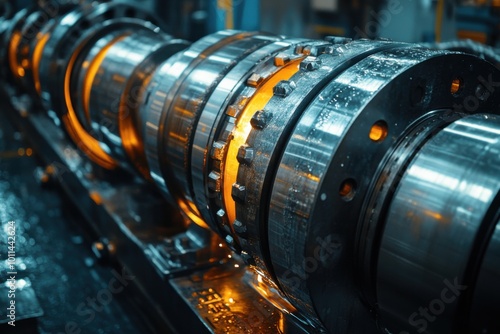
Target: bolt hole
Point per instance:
(130, 12)
(347, 190)
(456, 86)
(109, 15)
(85, 24)
(417, 95)
(482, 92)
(379, 131)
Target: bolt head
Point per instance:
(245, 155)
(218, 150)
(284, 88)
(239, 193)
(255, 80)
(310, 64)
(230, 240)
(247, 258)
(338, 39)
(240, 229)
(281, 59)
(214, 181)
(261, 119)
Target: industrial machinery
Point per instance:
(337, 185)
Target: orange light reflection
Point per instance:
(243, 128)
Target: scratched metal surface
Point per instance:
(52, 253)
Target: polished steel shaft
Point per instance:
(359, 178)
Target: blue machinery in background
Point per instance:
(233, 14)
(479, 23)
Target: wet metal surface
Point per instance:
(73, 290)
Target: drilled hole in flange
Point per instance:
(482, 92)
(456, 86)
(417, 95)
(109, 15)
(130, 12)
(85, 24)
(348, 189)
(379, 131)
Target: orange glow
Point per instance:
(89, 145)
(268, 289)
(15, 68)
(118, 78)
(96, 197)
(478, 36)
(37, 57)
(456, 84)
(281, 323)
(243, 128)
(348, 189)
(227, 6)
(378, 131)
(313, 178)
(328, 30)
(92, 70)
(132, 144)
(434, 215)
(192, 213)
(177, 137)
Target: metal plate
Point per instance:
(331, 145)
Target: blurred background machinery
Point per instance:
(233, 181)
(402, 20)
